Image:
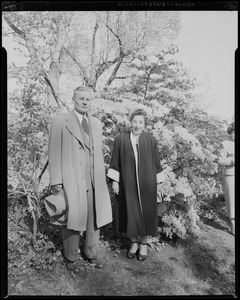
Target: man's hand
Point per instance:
(115, 187)
(56, 188)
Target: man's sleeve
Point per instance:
(55, 152)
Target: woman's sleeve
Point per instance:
(114, 168)
(224, 159)
(160, 172)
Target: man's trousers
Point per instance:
(71, 237)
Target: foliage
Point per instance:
(91, 47)
(190, 166)
(23, 256)
(188, 138)
(28, 121)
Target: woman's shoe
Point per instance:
(131, 255)
(141, 257)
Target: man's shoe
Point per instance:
(94, 263)
(73, 266)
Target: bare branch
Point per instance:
(42, 172)
(117, 37)
(104, 66)
(53, 72)
(92, 68)
(61, 38)
(14, 28)
(23, 34)
(120, 77)
(128, 62)
(112, 77)
(117, 60)
(55, 95)
(73, 57)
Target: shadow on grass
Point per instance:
(213, 212)
(214, 223)
(209, 264)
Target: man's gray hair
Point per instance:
(83, 88)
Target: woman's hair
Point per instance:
(139, 112)
(231, 128)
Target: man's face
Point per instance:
(82, 101)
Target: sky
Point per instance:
(207, 45)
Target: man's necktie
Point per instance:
(85, 125)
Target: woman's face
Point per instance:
(138, 124)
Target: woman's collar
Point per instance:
(134, 136)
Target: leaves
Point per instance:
(188, 139)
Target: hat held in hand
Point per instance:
(56, 206)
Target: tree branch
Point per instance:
(104, 66)
(117, 60)
(55, 95)
(14, 28)
(113, 75)
(117, 37)
(148, 77)
(42, 172)
(53, 71)
(23, 34)
(120, 77)
(73, 57)
(128, 62)
(92, 68)
(61, 38)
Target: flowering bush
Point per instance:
(188, 140)
(189, 163)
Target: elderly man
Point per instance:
(76, 166)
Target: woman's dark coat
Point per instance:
(129, 218)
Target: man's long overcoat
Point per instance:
(67, 167)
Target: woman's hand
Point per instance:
(115, 187)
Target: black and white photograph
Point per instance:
(120, 148)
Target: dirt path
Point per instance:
(204, 266)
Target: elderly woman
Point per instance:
(227, 159)
(135, 171)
